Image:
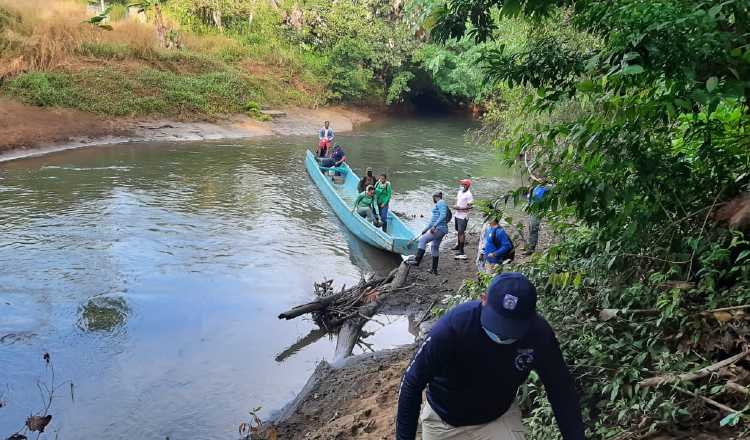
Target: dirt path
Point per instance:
(32, 131)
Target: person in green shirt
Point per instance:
(365, 206)
(383, 193)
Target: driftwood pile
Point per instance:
(346, 311)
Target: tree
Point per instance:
(154, 6)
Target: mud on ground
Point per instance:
(31, 131)
(357, 400)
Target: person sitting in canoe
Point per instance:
(365, 206)
(366, 180)
(337, 159)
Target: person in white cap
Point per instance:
(464, 204)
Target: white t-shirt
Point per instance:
(463, 199)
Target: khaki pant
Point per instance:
(506, 427)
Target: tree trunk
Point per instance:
(161, 29)
(216, 15)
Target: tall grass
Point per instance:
(48, 34)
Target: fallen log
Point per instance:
(328, 299)
(349, 332)
(689, 377)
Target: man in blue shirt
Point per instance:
(433, 233)
(472, 363)
(536, 194)
(497, 247)
(337, 159)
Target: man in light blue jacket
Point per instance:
(433, 233)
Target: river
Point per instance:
(153, 273)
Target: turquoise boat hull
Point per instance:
(399, 238)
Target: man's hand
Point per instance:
(433, 230)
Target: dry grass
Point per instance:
(46, 35)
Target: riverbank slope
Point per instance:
(358, 399)
(30, 131)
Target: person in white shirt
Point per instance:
(464, 204)
(325, 137)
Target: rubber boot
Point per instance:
(417, 259)
(434, 265)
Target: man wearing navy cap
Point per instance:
(474, 360)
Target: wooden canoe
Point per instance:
(340, 196)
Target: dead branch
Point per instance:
(350, 331)
(734, 386)
(726, 309)
(607, 314)
(689, 377)
(711, 402)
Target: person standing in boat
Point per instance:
(367, 180)
(433, 233)
(383, 194)
(464, 204)
(365, 205)
(325, 137)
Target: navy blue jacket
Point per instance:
(471, 380)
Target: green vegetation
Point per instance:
(146, 92)
(638, 113)
(274, 52)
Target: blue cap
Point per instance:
(511, 305)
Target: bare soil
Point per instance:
(25, 126)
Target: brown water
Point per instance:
(153, 273)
